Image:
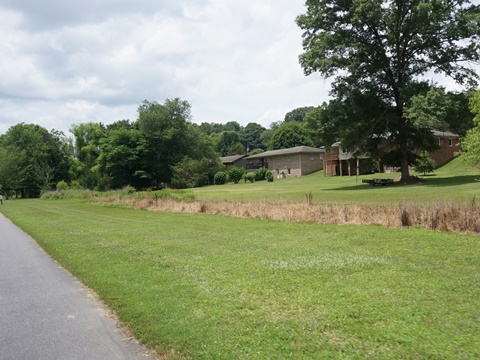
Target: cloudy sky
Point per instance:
(65, 62)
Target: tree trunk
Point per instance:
(404, 161)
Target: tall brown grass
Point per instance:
(444, 216)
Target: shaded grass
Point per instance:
(205, 286)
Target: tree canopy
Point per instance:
(380, 49)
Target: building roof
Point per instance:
(294, 150)
(444, 133)
(231, 159)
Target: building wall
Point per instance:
(294, 165)
(448, 147)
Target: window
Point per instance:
(321, 157)
(288, 171)
(450, 142)
(312, 156)
(288, 158)
(439, 142)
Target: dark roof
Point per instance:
(294, 150)
(231, 159)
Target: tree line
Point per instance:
(163, 146)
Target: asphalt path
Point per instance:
(46, 314)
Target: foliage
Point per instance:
(471, 142)
(62, 185)
(190, 173)
(378, 50)
(261, 174)
(40, 159)
(269, 176)
(220, 178)
(235, 173)
(425, 164)
(298, 114)
(252, 136)
(289, 135)
(226, 140)
(249, 177)
(236, 149)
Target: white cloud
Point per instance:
(97, 60)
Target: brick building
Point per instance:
(291, 162)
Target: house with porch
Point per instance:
(291, 162)
(342, 162)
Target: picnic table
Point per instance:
(382, 182)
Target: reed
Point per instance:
(442, 216)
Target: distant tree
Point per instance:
(290, 135)
(39, 154)
(226, 140)
(425, 164)
(236, 149)
(382, 49)
(87, 138)
(251, 136)
(124, 158)
(164, 127)
(190, 173)
(232, 126)
(298, 114)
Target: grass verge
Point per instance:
(207, 286)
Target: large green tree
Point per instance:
(382, 49)
(471, 142)
(40, 162)
(289, 135)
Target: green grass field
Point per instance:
(452, 182)
(213, 287)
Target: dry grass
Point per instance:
(448, 217)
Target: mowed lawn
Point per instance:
(213, 287)
(454, 181)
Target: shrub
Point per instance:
(249, 177)
(220, 178)
(127, 190)
(425, 164)
(261, 174)
(62, 185)
(269, 176)
(235, 173)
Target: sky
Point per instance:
(68, 62)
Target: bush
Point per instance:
(269, 176)
(425, 164)
(127, 190)
(62, 185)
(261, 174)
(249, 177)
(235, 173)
(220, 178)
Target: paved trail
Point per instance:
(45, 313)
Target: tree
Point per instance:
(87, 139)
(41, 160)
(226, 140)
(251, 136)
(425, 164)
(298, 114)
(164, 127)
(471, 142)
(382, 48)
(290, 135)
(123, 158)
